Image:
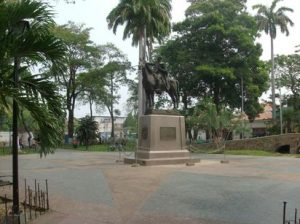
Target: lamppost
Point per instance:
(18, 31)
(280, 108)
(278, 85)
(242, 107)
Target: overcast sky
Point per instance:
(93, 13)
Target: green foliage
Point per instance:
(136, 15)
(250, 152)
(131, 123)
(26, 39)
(86, 131)
(93, 85)
(217, 122)
(132, 101)
(242, 127)
(114, 72)
(91, 148)
(290, 120)
(82, 56)
(269, 18)
(130, 146)
(287, 68)
(215, 49)
(7, 151)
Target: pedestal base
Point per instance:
(161, 161)
(161, 141)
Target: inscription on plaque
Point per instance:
(145, 133)
(167, 133)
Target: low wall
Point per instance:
(270, 143)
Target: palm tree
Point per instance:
(268, 19)
(145, 21)
(87, 131)
(36, 45)
(18, 50)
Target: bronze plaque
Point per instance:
(167, 133)
(145, 133)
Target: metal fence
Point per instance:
(35, 203)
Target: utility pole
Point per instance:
(15, 168)
(242, 108)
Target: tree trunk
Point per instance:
(273, 81)
(141, 91)
(190, 136)
(70, 124)
(195, 134)
(216, 98)
(71, 98)
(91, 107)
(150, 50)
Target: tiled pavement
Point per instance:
(92, 188)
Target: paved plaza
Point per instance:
(92, 188)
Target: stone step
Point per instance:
(162, 154)
(161, 161)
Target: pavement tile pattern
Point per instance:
(92, 188)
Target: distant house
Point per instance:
(105, 127)
(259, 126)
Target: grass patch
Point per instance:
(245, 152)
(251, 152)
(91, 148)
(7, 151)
(130, 146)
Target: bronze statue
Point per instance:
(156, 80)
(160, 73)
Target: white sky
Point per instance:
(93, 13)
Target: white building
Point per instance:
(104, 127)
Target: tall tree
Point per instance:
(82, 55)
(268, 19)
(93, 85)
(287, 72)
(145, 21)
(288, 69)
(213, 51)
(114, 69)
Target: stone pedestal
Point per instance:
(161, 141)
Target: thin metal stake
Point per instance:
(25, 201)
(44, 202)
(284, 211)
(47, 194)
(35, 198)
(39, 198)
(6, 212)
(30, 202)
(295, 216)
